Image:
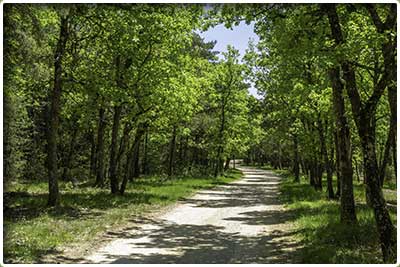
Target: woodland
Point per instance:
(105, 101)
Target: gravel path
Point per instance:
(243, 222)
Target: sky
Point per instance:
(238, 37)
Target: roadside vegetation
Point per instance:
(323, 238)
(33, 229)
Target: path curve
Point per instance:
(242, 222)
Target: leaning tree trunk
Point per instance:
(364, 115)
(54, 196)
(386, 154)
(387, 231)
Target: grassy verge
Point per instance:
(318, 227)
(32, 230)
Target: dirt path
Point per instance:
(242, 222)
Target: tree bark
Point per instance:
(311, 171)
(375, 195)
(347, 206)
(171, 154)
(130, 159)
(144, 164)
(327, 164)
(386, 154)
(124, 143)
(296, 169)
(113, 153)
(55, 96)
(220, 150)
(228, 160)
(67, 164)
(337, 167)
(100, 148)
(92, 153)
(135, 160)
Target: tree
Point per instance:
(55, 108)
(364, 116)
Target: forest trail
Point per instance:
(242, 222)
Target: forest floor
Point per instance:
(240, 222)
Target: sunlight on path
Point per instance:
(242, 222)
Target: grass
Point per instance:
(318, 227)
(32, 230)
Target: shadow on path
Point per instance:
(243, 222)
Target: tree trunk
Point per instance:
(67, 164)
(54, 196)
(228, 160)
(92, 154)
(347, 206)
(135, 160)
(131, 158)
(386, 154)
(124, 143)
(311, 173)
(100, 148)
(279, 157)
(128, 170)
(327, 164)
(395, 158)
(317, 173)
(375, 195)
(8, 144)
(337, 156)
(171, 154)
(144, 163)
(296, 169)
(138, 138)
(220, 150)
(113, 153)
(389, 55)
